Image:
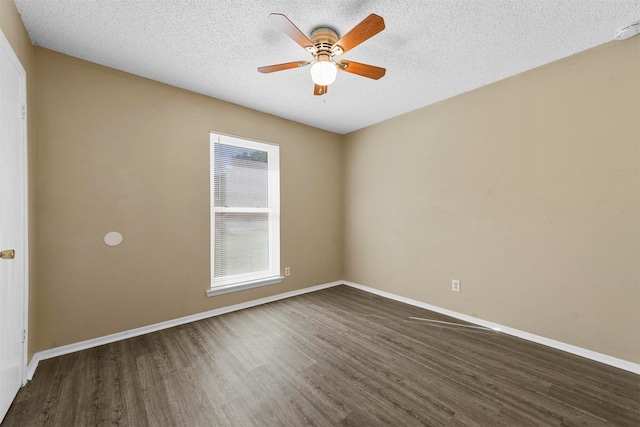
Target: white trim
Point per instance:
(25, 312)
(579, 351)
(107, 339)
(12, 55)
(6, 47)
(233, 287)
(31, 369)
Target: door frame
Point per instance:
(5, 46)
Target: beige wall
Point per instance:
(13, 29)
(526, 190)
(121, 153)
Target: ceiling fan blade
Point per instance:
(287, 27)
(280, 67)
(364, 70)
(366, 29)
(319, 90)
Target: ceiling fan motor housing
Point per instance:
(324, 39)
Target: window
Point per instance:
(245, 214)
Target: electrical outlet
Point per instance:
(287, 271)
(455, 285)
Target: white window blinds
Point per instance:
(244, 211)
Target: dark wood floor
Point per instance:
(337, 357)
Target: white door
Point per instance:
(12, 225)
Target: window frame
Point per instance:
(243, 281)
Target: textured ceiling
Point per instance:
(432, 50)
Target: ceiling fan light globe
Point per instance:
(323, 73)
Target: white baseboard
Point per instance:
(31, 368)
(107, 339)
(579, 351)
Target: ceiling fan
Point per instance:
(324, 44)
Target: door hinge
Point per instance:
(24, 111)
(24, 335)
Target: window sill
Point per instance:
(234, 287)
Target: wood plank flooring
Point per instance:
(336, 357)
